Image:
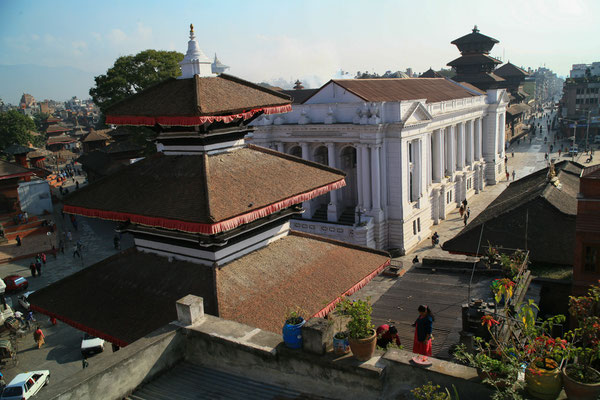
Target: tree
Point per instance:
(39, 119)
(131, 74)
(14, 129)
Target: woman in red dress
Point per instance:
(423, 328)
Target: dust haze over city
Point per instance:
(299, 199)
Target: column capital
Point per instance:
(329, 144)
(374, 146)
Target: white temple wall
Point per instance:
(451, 154)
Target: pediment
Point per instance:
(418, 114)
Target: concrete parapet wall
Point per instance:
(401, 376)
(261, 355)
(117, 376)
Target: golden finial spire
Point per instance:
(191, 27)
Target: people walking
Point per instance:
(18, 239)
(61, 246)
(69, 236)
(461, 210)
(466, 219)
(423, 331)
(38, 268)
(507, 176)
(85, 363)
(39, 336)
(32, 268)
(514, 174)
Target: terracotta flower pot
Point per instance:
(544, 384)
(580, 391)
(363, 349)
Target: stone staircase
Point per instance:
(187, 381)
(321, 213)
(347, 217)
(32, 227)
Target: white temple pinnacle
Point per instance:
(195, 61)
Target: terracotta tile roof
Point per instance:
(509, 70)
(398, 89)
(126, 296)
(57, 128)
(60, 139)
(198, 96)
(298, 270)
(473, 59)
(131, 294)
(518, 108)
(200, 189)
(10, 170)
(98, 136)
(503, 221)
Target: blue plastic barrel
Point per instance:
(292, 335)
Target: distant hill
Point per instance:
(56, 83)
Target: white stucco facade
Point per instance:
(408, 163)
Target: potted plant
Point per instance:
(361, 332)
(292, 329)
(543, 355)
(341, 345)
(503, 290)
(581, 380)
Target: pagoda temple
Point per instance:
(475, 66)
(210, 217)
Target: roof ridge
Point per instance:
(339, 243)
(254, 85)
(296, 159)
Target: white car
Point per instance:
(26, 385)
(24, 300)
(91, 345)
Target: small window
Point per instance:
(590, 259)
(419, 224)
(414, 227)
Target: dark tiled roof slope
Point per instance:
(7, 169)
(509, 70)
(198, 96)
(121, 147)
(205, 189)
(298, 270)
(473, 59)
(128, 295)
(531, 205)
(398, 89)
(299, 95)
(97, 136)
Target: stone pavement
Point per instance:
(61, 353)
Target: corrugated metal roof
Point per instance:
(188, 381)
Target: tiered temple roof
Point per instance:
(210, 217)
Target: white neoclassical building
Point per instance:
(412, 150)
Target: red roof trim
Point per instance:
(16, 175)
(191, 121)
(77, 325)
(209, 229)
(362, 283)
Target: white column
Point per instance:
(438, 156)
(460, 151)
(478, 141)
(366, 181)
(359, 177)
(305, 154)
(280, 147)
(332, 206)
(470, 143)
(307, 205)
(383, 169)
(375, 177)
(451, 148)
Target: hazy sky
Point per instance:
(310, 40)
